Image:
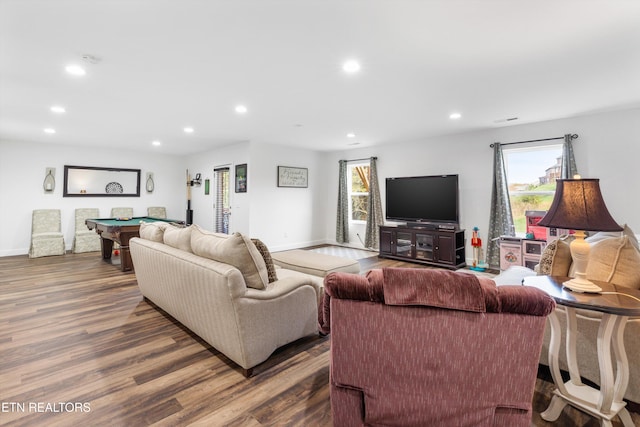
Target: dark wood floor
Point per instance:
(80, 346)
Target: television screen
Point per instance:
(423, 199)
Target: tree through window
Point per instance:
(358, 184)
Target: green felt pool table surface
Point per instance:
(131, 221)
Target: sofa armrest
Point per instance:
(267, 319)
(355, 287)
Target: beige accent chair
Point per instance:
(85, 240)
(46, 234)
(121, 212)
(157, 212)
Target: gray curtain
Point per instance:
(342, 221)
(568, 165)
(374, 208)
(501, 219)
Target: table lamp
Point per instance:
(578, 205)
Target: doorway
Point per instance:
(222, 202)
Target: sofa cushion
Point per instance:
(615, 260)
(211, 233)
(556, 258)
(632, 237)
(178, 237)
(153, 231)
(266, 256)
(236, 250)
(602, 235)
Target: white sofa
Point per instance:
(228, 301)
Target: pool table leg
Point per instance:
(126, 264)
(107, 247)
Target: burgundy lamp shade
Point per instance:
(578, 205)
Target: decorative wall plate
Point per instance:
(150, 184)
(114, 188)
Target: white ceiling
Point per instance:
(169, 64)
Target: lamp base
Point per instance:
(582, 285)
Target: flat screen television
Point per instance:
(423, 199)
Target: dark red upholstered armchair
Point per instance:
(419, 347)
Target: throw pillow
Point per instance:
(266, 255)
(178, 237)
(153, 231)
(615, 260)
(235, 250)
(556, 258)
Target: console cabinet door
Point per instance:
(405, 244)
(445, 248)
(425, 246)
(386, 242)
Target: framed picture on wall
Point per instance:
(241, 178)
(293, 177)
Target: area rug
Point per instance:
(344, 252)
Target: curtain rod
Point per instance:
(574, 136)
(358, 160)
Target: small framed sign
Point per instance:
(293, 177)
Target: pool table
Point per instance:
(120, 230)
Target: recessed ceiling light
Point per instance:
(241, 109)
(351, 66)
(156, 143)
(75, 70)
(455, 116)
(49, 130)
(58, 109)
(188, 130)
(351, 135)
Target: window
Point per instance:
(358, 185)
(531, 174)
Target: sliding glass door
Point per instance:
(222, 203)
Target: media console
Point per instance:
(441, 247)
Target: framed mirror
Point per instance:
(89, 181)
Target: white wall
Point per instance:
(282, 218)
(203, 205)
(285, 218)
(22, 171)
(465, 155)
(608, 148)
